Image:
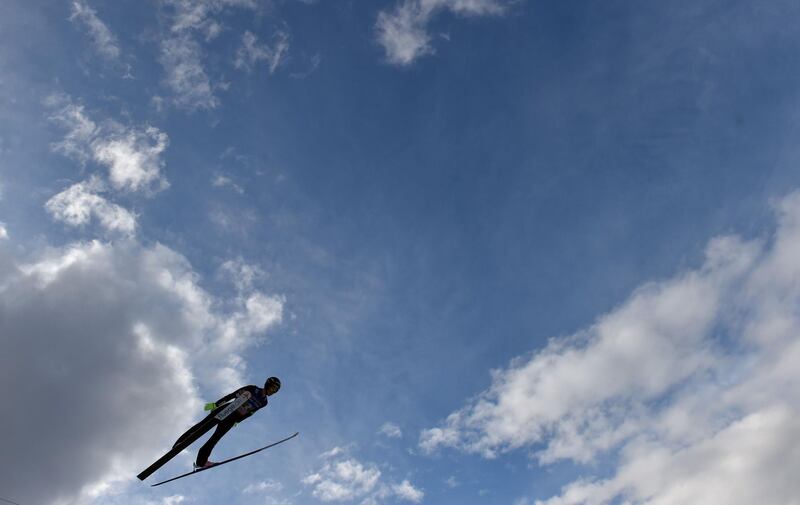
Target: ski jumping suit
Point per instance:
(258, 400)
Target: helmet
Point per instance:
(273, 383)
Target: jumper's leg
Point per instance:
(205, 451)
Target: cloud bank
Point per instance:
(103, 349)
(690, 389)
(403, 31)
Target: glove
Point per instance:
(210, 406)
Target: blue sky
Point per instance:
(502, 252)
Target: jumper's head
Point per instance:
(272, 386)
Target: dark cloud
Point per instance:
(99, 348)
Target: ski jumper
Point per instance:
(257, 400)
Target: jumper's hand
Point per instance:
(210, 406)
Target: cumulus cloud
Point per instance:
(391, 430)
(251, 52)
(132, 155)
(344, 478)
(103, 352)
(747, 462)
(692, 386)
(3, 231)
(104, 41)
(403, 31)
(80, 203)
(406, 491)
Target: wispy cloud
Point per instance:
(182, 55)
(403, 31)
(343, 478)
(313, 64)
(690, 374)
(197, 14)
(265, 486)
(242, 274)
(173, 500)
(223, 181)
(105, 43)
(332, 453)
(80, 130)
(250, 53)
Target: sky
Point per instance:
(498, 251)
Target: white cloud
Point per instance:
(3, 231)
(133, 156)
(104, 41)
(265, 486)
(692, 385)
(343, 480)
(336, 451)
(347, 479)
(753, 460)
(79, 203)
(391, 430)
(93, 335)
(403, 32)
(406, 491)
(250, 53)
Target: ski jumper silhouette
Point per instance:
(257, 400)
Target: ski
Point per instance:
(199, 432)
(226, 461)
